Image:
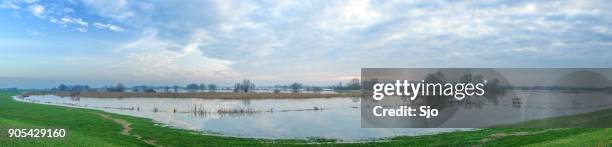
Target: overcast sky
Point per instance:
(102, 42)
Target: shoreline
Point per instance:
(209, 95)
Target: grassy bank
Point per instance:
(212, 95)
(97, 128)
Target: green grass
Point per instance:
(87, 128)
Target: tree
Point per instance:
(317, 89)
(369, 83)
(62, 87)
(295, 86)
(245, 86)
(492, 86)
(436, 77)
(467, 78)
(237, 87)
(79, 88)
(150, 90)
(202, 87)
(118, 88)
(353, 84)
(192, 87)
(175, 87)
(167, 88)
(212, 87)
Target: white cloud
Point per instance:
(37, 10)
(328, 38)
(116, 9)
(234, 15)
(66, 20)
(108, 26)
(81, 29)
(54, 13)
(153, 58)
(9, 5)
(602, 30)
(356, 14)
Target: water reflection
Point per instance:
(337, 118)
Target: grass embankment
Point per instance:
(212, 95)
(97, 128)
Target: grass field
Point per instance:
(97, 128)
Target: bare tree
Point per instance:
(175, 87)
(245, 86)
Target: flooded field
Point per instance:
(334, 118)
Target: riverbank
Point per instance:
(209, 95)
(97, 128)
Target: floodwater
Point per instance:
(332, 118)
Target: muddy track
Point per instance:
(126, 128)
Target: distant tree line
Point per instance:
(141, 88)
(63, 87)
(354, 84)
(9, 89)
(245, 85)
(297, 87)
(193, 87)
(118, 88)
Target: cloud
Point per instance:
(9, 5)
(37, 10)
(117, 9)
(152, 58)
(54, 13)
(82, 29)
(66, 20)
(356, 14)
(108, 26)
(328, 39)
(298, 37)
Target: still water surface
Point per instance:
(337, 118)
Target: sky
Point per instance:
(154, 42)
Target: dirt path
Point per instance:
(126, 128)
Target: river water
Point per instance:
(332, 118)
